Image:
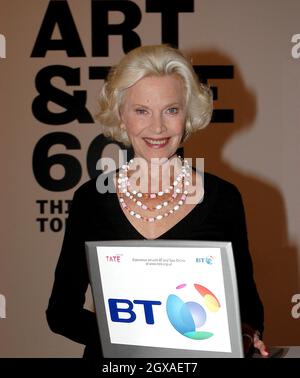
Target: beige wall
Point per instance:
(258, 152)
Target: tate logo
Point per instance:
(115, 258)
(2, 47)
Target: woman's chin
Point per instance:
(162, 157)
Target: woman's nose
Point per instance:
(158, 125)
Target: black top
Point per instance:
(95, 216)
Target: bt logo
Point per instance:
(208, 260)
(186, 317)
(128, 310)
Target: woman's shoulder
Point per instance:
(87, 188)
(222, 193)
(96, 187)
(214, 180)
(220, 186)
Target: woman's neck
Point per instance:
(155, 175)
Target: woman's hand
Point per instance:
(260, 346)
(251, 339)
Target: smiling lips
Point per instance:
(156, 143)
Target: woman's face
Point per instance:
(153, 114)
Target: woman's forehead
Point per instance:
(152, 88)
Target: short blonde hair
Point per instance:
(155, 60)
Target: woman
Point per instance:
(152, 101)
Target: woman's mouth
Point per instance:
(156, 143)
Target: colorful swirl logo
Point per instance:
(188, 317)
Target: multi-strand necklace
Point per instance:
(177, 190)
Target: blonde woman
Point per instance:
(152, 101)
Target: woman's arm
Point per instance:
(65, 312)
(251, 307)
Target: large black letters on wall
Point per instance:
(217, 72)
(74, 104)
(169, 16)
(101, 29)
(42, 163)
(58, 13)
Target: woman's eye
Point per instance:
(173, 110)
(141, 111)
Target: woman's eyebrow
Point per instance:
(165, 106)
(143, 106)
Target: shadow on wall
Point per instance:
(274, 258)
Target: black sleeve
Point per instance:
(251, 306)
(65, 313)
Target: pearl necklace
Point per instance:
(179, 186)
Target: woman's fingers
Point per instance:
(259, 344)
